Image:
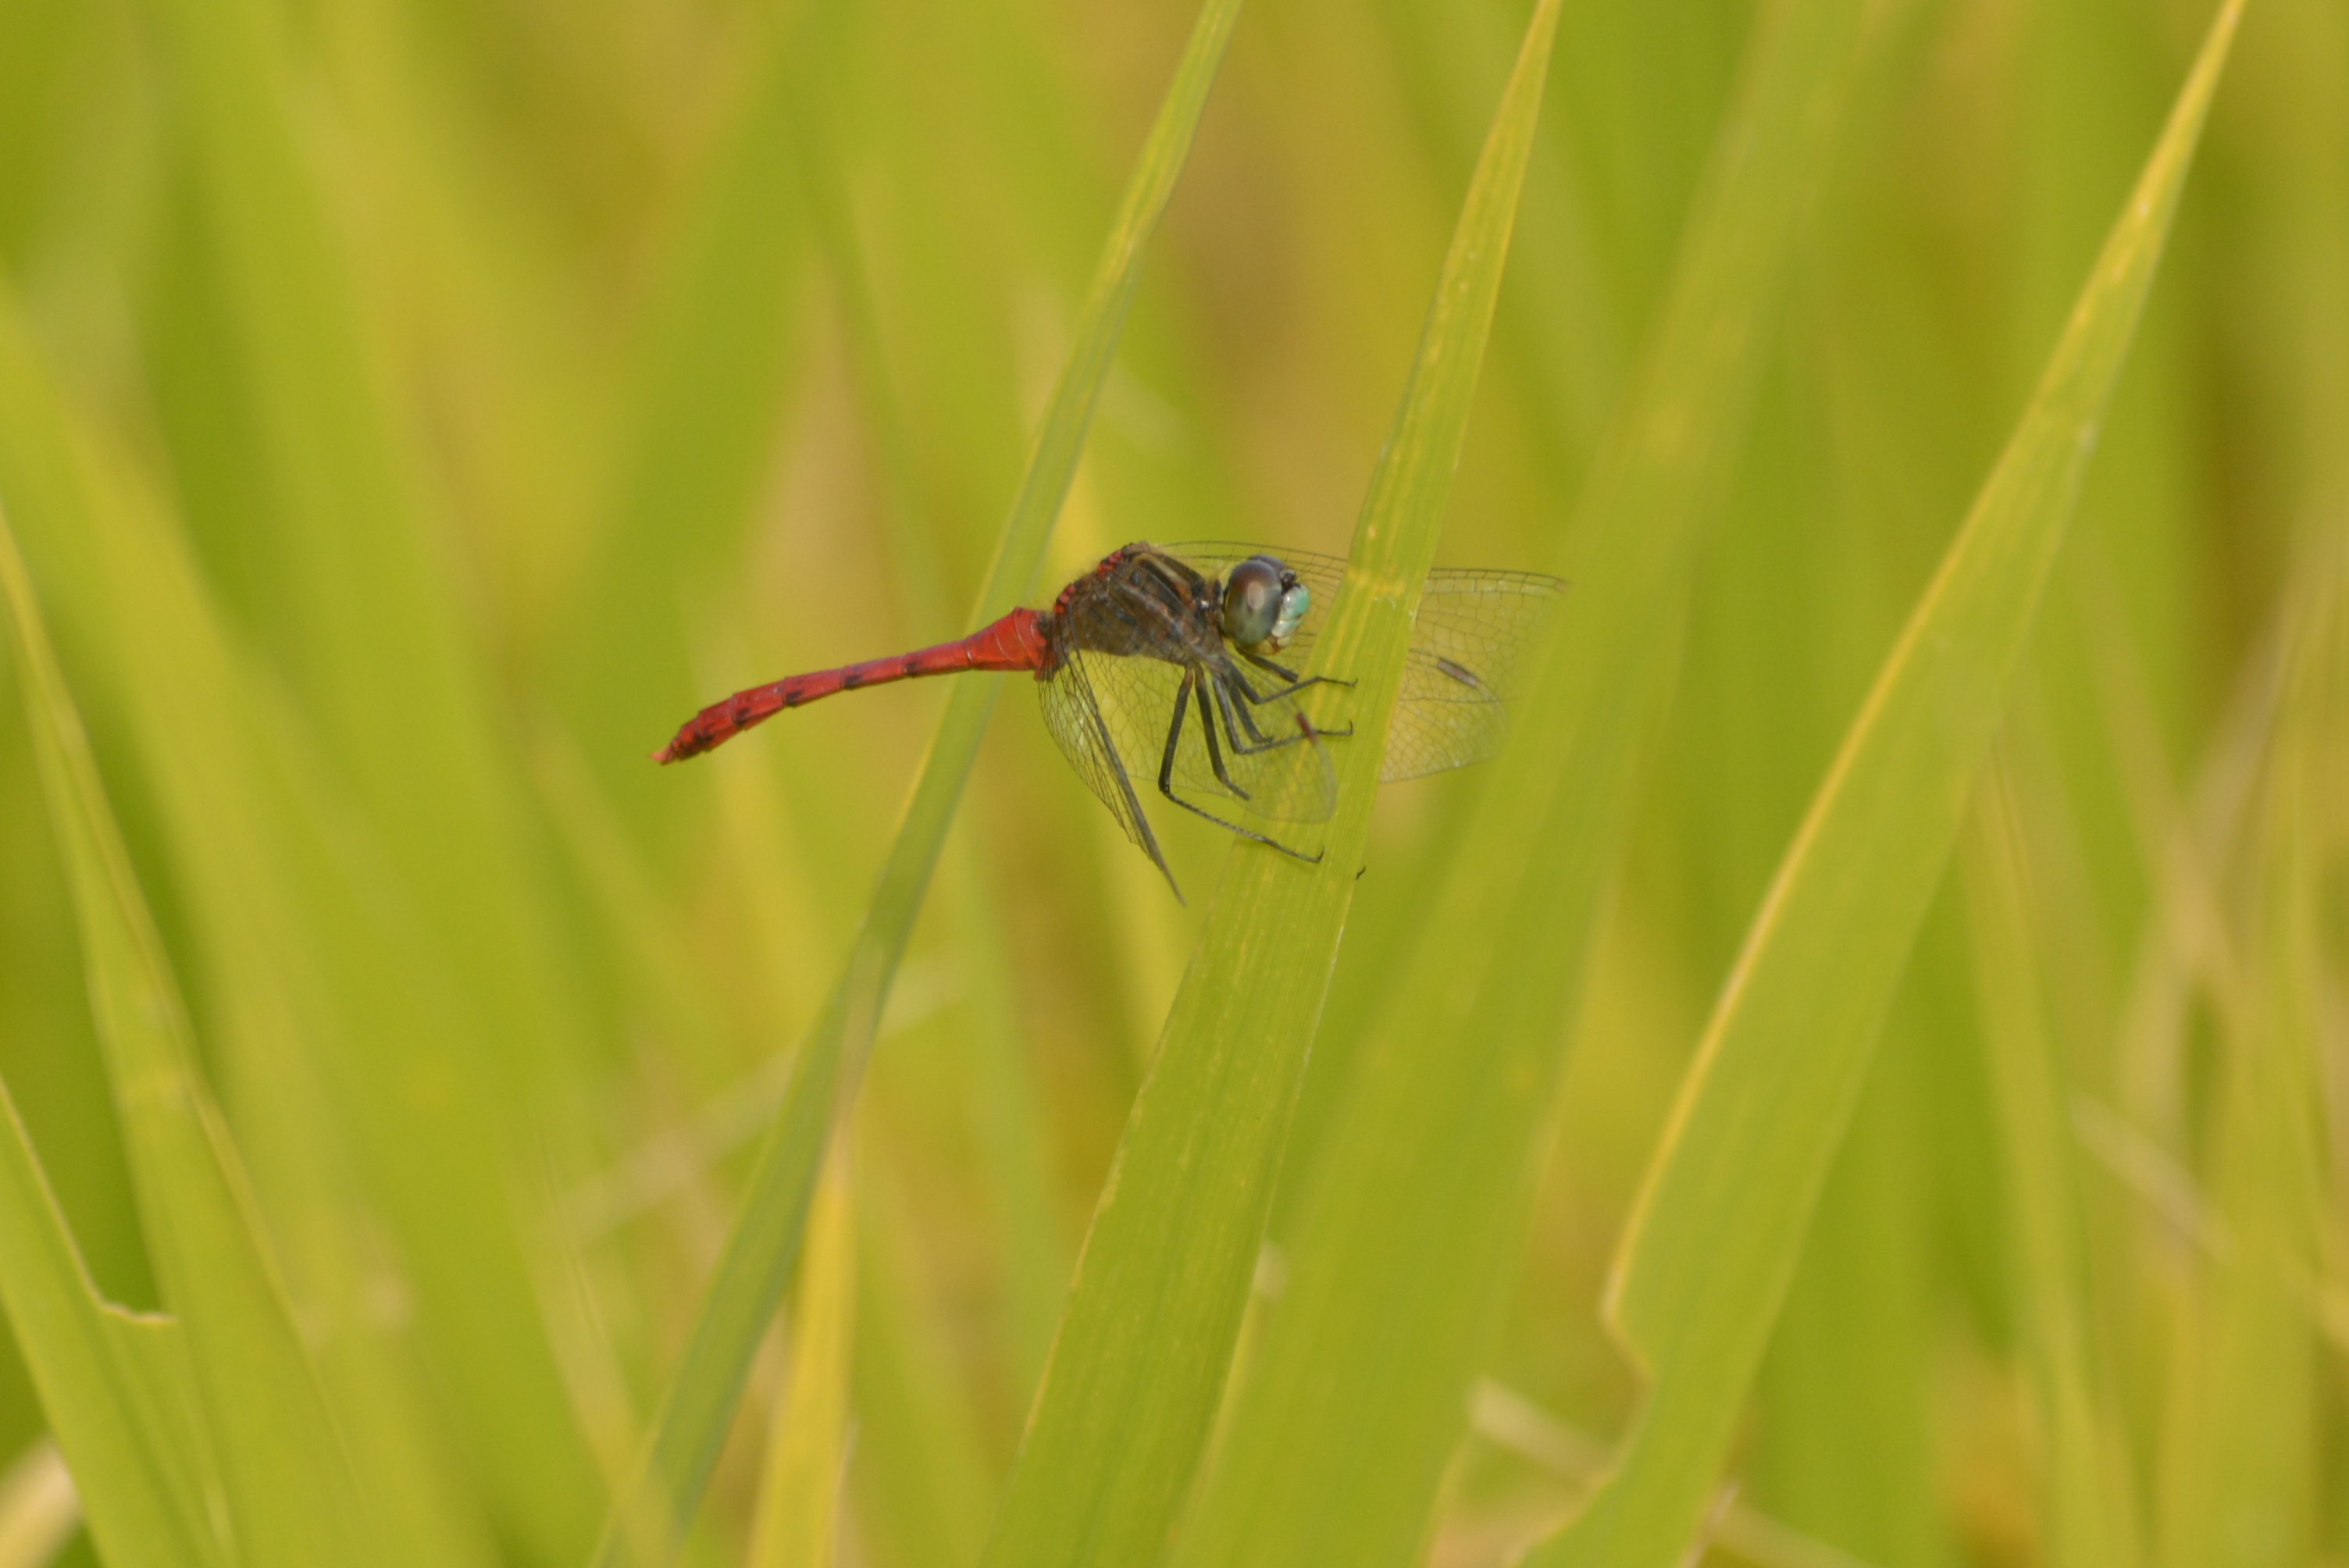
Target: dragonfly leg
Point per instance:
(1275, 694)
(1296, 854)
(1237, 717)
(1196, 684)
(1166, 773)
(1238, 682)
(1174, 741)
(1296, 682)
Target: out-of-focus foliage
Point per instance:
(410, 409)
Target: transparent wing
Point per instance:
(1082, 731)
(1468, 658)
(1469, 651)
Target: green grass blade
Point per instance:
(298, 969)
(365, 619)
(1339, 1443)
(763, 1246)
(1147, 1337)
(1720, 1224)
(2087, 1513)
(139, 1495)
(797, 1522)
(369, 633)
(291, 1496)
(126, 582)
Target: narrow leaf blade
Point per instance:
(1715, 1237)
(316, 1028)
(291, 1495)
(372, 637)
(1147, 1337)
(138, 1494)
(1337, 1444)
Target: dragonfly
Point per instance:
(1181, 668)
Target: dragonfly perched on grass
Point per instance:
(1181, 666)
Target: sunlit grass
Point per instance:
(410, 411)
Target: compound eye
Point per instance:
(1252, 600)
(1295, 599)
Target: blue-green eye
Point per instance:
(1295, 601)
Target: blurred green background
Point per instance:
(478, 386)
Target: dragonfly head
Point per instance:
(1264, 603)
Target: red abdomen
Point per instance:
(1016, 642)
